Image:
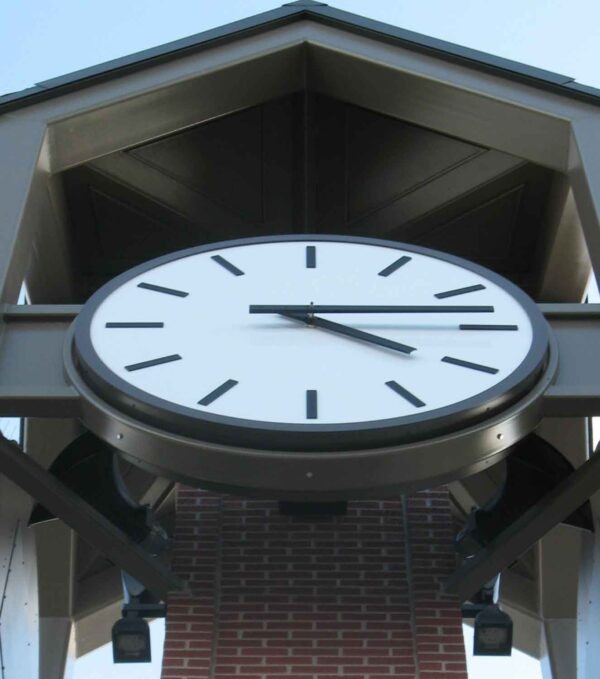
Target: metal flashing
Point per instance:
(114, 68)
(423, 42)
(286, 14)
(578, 87)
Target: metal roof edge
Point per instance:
(421, 41)
(113, 68)
(234, 30)
(321, 13)
(578, 87)
(512, 70)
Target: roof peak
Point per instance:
(285, 14)
(304, 3)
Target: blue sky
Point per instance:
(40, 39)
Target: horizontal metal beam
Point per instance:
(33, 313)
(92, 526)
(576, 389)
(32, 382)
(515, 540)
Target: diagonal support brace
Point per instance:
(515, 540)
(92, 526)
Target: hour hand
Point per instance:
(346, 330)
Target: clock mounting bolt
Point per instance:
(119, 436)
(500, 437)
(309, 475)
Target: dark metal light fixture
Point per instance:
(493, 628)
(493, 632)
(131, 634)
(131, 640)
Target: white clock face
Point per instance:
(240, 331)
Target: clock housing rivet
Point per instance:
(309, 475)
(500, 437)
(119, 436)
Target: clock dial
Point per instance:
(306, 342)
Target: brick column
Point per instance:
(277, 597)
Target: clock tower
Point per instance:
(304, 293)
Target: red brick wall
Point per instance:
(277, 597)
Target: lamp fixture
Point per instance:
(131, 634)
(131, 640)
(493, 632)
(493, 627)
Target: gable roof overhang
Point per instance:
(132, 100)
(288, 13)
(304, 46)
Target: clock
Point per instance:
(307, 345)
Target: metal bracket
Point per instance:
(515, 540)
(40, 484)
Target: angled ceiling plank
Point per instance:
(561, 501)
(172, 97)
(161, 188)
(511, 122)
(22, 470)
(432, 195)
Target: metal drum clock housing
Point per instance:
(311, 366)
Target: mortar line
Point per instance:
(217, 594)
(409, 580)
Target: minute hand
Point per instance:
(350, 332)
(364, 309)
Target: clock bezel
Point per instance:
(308, 437)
